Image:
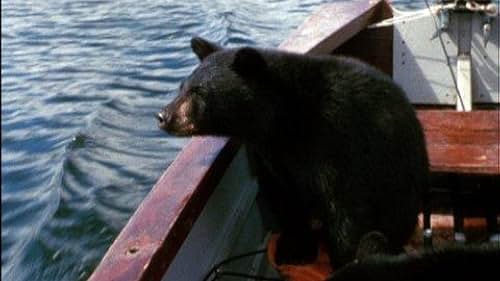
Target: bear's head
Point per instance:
(225, 95)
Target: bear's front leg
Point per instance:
(343, 237)
(297, 246)
(291, 209)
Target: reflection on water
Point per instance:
(81, 81)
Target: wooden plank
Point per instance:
(465, 137)
(462, 159)
(151, 238)
(480, 120)
(462, 142)
(332, 25)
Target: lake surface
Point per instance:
(81, 82)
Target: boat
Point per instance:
(204, 220)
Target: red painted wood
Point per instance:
(462, 142)
(153, 235)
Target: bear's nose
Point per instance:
(161, 119)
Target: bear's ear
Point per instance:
(249, 63)
(202, 48)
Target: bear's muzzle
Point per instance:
(162, 120)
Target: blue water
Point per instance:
(81, 81)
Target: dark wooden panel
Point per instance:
(373, 46)
(462, 142)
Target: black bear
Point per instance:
(334, 140)
(457, 263)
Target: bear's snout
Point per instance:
(175, 119)
(162, 120)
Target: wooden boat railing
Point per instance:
(463, 143)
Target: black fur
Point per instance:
(462, 263)
(202, 48)
(372, 243)
(333, 138)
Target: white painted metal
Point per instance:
(464, 83)
(419, 62)
(230, 224)
(420, 65)
(485, 62)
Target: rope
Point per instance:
(403, 16)
(217, 272)
(490, 10)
